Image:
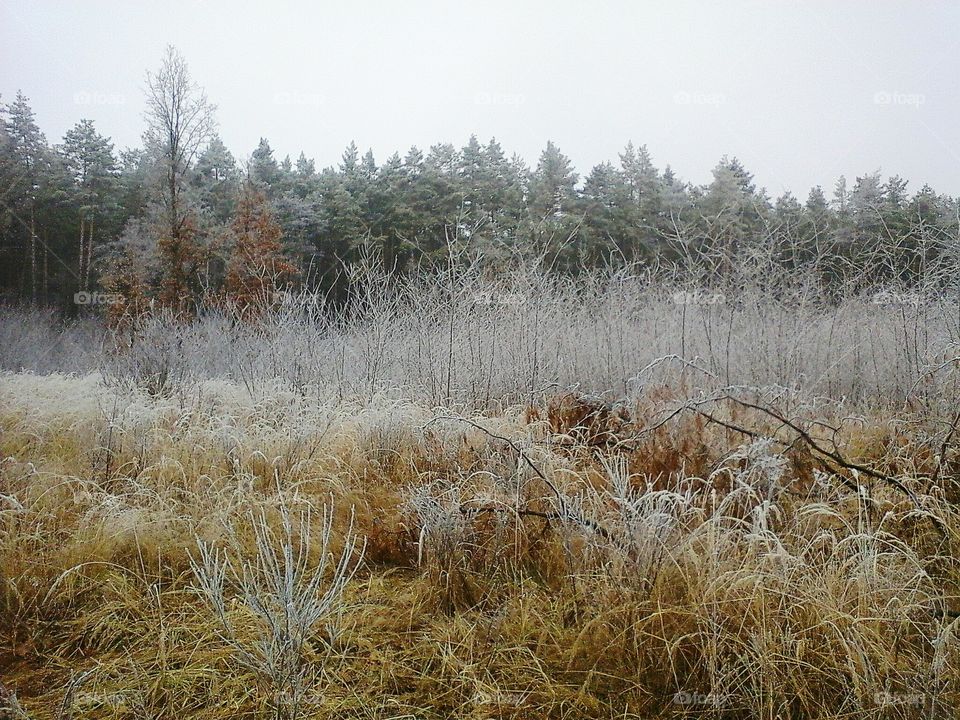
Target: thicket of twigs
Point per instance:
(616, 496)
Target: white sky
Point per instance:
(800, 92)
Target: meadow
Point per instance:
(615, 496)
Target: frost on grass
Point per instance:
(508, 559)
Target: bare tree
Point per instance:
(180, 120)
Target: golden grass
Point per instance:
(724, 580)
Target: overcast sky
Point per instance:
(800, 92)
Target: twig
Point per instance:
(548, 516)
(943, 448)
(516, 448)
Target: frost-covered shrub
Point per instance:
(287, 595)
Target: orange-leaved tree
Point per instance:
(180, 261)
(127, 295)
(257, 270)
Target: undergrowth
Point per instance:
(691, 551)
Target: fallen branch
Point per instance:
(516, 448)
(833, 456)
(548, 516)
(564, 513)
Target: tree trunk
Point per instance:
(46, 270)
(80, 258)
(33, 258)
(86, 277)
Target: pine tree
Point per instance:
(732, 214)
(501, 197)
(866, 202)
(32, 171)
(134, 184)
(264, 170)
(644, 206)
(217, 180)
(553, 191)
(640, 176)
(350, 160)
(818, 220)
(603, 205)
(340, 226)
(305, 168)
(368, 165)
(471, 169)
(89, 159)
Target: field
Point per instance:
(614, 497)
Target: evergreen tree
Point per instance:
(732, 213)
(217, 179)
(305, 168)
(340, 230)
(610, 215)
(350, 160)
(37, 212)
(553, 190)
(171, 202)
(88, 158)
(643, 183)
(263, 170)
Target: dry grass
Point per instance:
(568, 560)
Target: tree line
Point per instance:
(180, 219)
